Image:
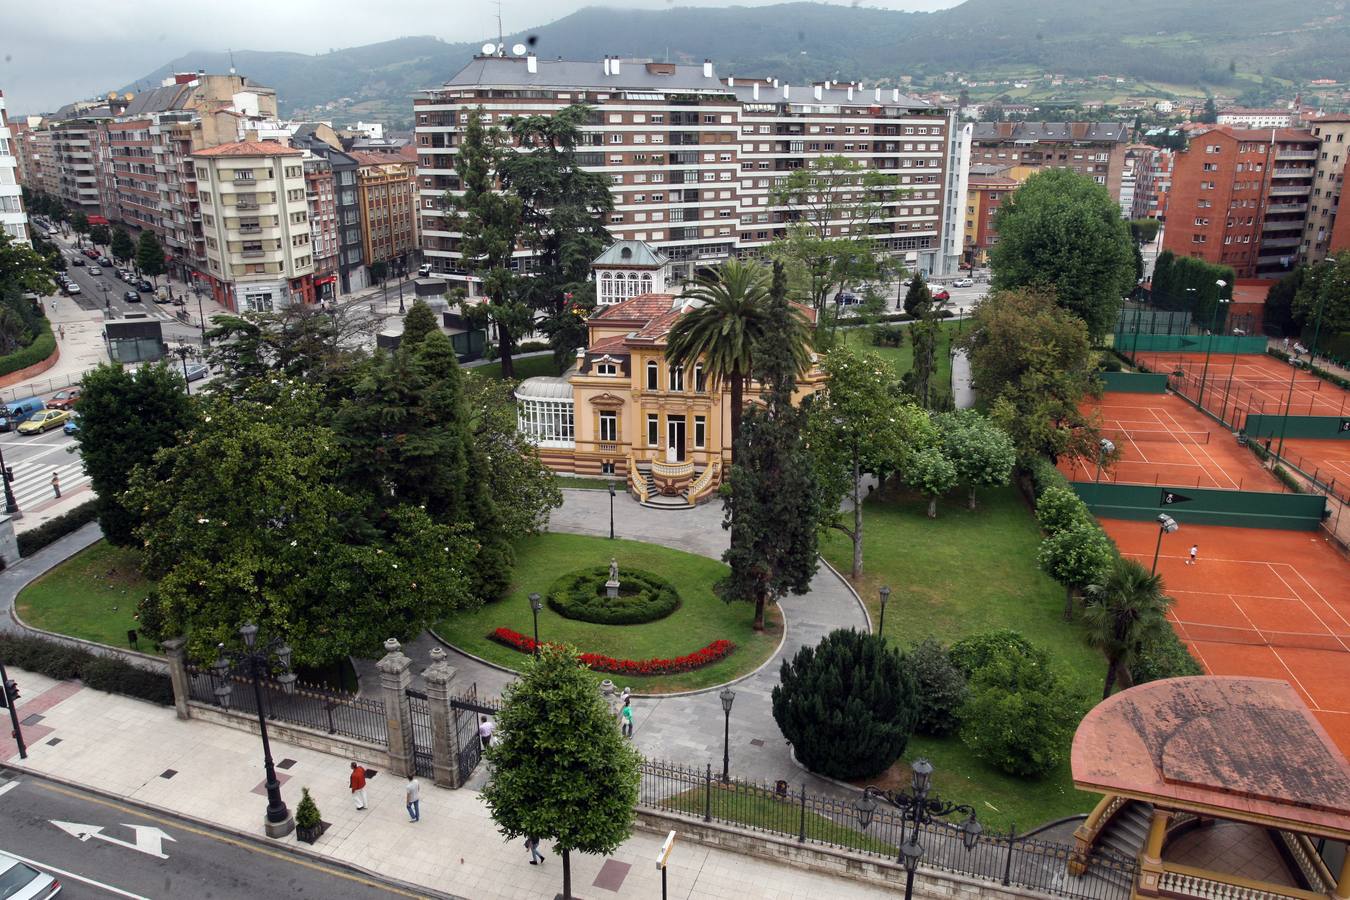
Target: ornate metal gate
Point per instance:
(420, 712)
(468, 748)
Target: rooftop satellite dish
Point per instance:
(489, 48)
(518, 49)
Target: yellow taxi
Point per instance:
(44, 421)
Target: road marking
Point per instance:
(249, 846)
(71, 875)
(33, 481)
(8, 786)
(149, 839)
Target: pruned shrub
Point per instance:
(847, 704)
(1059, 509)
(34, 539)
(643, 597)
(941, 685)
(1019, 718)
(104, 673)
(973, 653)
(1163, 656)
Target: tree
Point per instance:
(859, 426)
(918, 381)
(981, 452)
(1144, 231)
(1278, 313)
(491, 224)
(1033, 364)
(1124, 611)
(1019, 717)
(847, 705)
(1059, 508)
(99, 234)
(1075, 557)
(301, 341)
(561, 771)
(419, 323)
(379, 270)
(245, 520)
(150, 255)
(832, 204)
(941, 688)
(121, 246)
(918, 298)
(1210, 114)
(771, 494)
(932, 474)
(524, 488)
(729, 317)
(22, 269)
(1323, 299)
(80, 222)
(126, 417)
(1061, 231)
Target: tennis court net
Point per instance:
(1154, 436)
(1255, 637)
(1308, 383)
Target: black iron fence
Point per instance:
(311, 706)
(793, 813)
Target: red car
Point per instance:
(942, 294)
(64, 399)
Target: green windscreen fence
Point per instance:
(1189, 343)
(1204, 506)
(1152, 321)
(1324, 427)
(1134, 382)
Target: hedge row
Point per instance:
(645, 597)
(35, 539)
(104, 673)
(1315, 369)
(43, 346)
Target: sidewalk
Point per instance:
(143, 753)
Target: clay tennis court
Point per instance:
(1259, 602)
(1253, 383)
(1328, 461)
(1161, 439)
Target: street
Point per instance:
(34, 458)
(105, 848)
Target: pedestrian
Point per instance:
(1195, 550)
(532, 844)
(1286, 345)
(485, 731)
(627, 717)
(412, 797)
(359, 785)
(56, 485)
(61, 330)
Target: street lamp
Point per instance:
(1166, 525)
(107, 301)
(535, 606)
(183, 353)
(1105, 448)
(918, 808)
(885, 595)
(727, 696)
(611, 510)
(11, 505)
(201, 316)
(1209, 345)
(258, 659)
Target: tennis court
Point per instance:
(1325, 461)
(1266, 603)
(1248, 383)
(1161, 439)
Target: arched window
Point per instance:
(653, 382)
(632, 284)
(606, 288)
(646, 283)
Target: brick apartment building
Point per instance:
(1095, 149)
(1240, 198)
(321, 141)
(1153, 180)
(386, 187)
(78, 155)
(986, 190)
(1327, 231)
(694, 158)
(321, 194)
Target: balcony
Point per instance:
(1292, 173)
(250, 205)
(250, 229)
(252, 254)
(244, 178)
(1292, 190)
(1279, 243)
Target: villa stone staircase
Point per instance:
(652, 498)
(1126, 834)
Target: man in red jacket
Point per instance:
(359, 785)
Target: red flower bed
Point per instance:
(600, 663)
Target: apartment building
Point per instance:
(24, 147)
(44, 156)
(987, 188)
(694, 159)
(78, 156)
(1153, 179)
(321, 197)
(255, 220)
(1240, 197)
(1326, 230)
(13, 220)
(351, 268)
(1095, 149)
(386, 188)
(1258, 118)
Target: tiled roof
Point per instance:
(250, 148)
(615, 344)
(640, 309)
(377, 159)
(160, 99)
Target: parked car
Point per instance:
(964, 282)
(71, 288)
(45, 421)
(13, 414)
(424, 270)
(847, 298)
(90, 252)
(95, 270)
(144, 285)
(941, 293)
(127, 275)
(77, 261)
(197, 371)
(72, 424)
(161, 296)
(20, 881)
(64, 399)
(104, 261)
(131, 297)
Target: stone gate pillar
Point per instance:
(178, 675)
(439, 678)
(395, 676)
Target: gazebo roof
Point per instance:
(1236, 748)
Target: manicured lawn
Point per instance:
(93, 595)
(963, 573)
(579, 483)
(761, 809)
(701, 619)
(528, 367)
(902, 358)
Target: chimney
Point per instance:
(614, 67)
(786, 88)
(731, 81)
(707, 68)
(775, 82)
(818, 92)
(532, 64)
(606, 65)
(895, 95)
(878, 95)
(850, 93)
(754, 91)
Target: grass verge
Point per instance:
(902, 358)
(92, 595)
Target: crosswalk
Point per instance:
(32, 484)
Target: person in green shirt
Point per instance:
(627, 717)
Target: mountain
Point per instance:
(1182, 42)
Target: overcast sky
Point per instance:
(53, 52)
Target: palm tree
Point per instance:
(730, 316)
(1123, 612)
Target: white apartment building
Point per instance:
(1257, 118)
(255, 222)
(13, 220)
(694, 158)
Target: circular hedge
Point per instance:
(643, 597)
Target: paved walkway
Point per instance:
(689, 729)
(140, 752)
(962, 393)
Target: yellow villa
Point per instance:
(621, 409)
